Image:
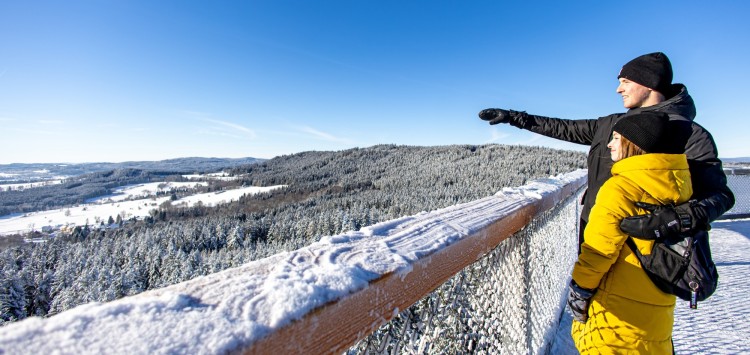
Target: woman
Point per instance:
(617, 307)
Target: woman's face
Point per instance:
(615, 147)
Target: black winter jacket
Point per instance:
(709, 182)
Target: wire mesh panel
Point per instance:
(508, 302)
(740, 186)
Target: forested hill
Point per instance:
(17, 172)
(410, 178)
(327, 193)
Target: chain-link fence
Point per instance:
(509, 302)
(739, 182)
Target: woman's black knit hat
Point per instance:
(647, 130)
(653, 70)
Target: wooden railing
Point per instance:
(323, 298)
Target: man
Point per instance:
(645, 86)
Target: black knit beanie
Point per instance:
(647, 130)
(652, 70)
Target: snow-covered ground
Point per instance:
(123, 204)
(212, 176)
(721, 324)
(141, 191)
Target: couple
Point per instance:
(654, 154)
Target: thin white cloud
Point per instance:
(220, 127)
(247, 131)
(314, 132)
(497, 136)
(321, 135)
(534, 139)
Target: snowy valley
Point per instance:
(126, 203)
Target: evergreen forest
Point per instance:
(326, 193)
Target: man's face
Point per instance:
(633, 94)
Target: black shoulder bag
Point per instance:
(681, 266)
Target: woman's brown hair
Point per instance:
(629, 149)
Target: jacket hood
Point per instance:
(680, 104)
(666, 177)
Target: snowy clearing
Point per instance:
(212, 176)
(141, 191)
(94, 213)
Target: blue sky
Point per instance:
(86, 81)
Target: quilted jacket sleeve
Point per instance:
(603, 237)
(574, 131)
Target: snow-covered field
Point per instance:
(213, 176)
(147, 190)
(130, 201)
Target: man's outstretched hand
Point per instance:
(663, 221)
(498, 115)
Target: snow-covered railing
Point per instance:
(334, 295)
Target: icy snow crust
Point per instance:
(219, 312)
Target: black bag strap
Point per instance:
(631, 243)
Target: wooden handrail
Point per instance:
(336, 326)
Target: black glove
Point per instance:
(663, 221)
(498, 115)
(579, 299)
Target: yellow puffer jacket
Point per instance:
(628, 314)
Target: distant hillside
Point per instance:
(736, 160)
(13, 173)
